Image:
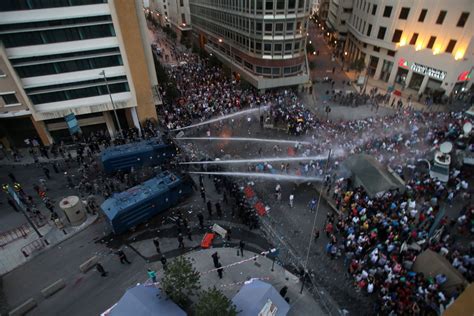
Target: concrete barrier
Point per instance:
(53, 288)
(23, 308)
(89, 264)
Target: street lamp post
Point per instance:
(305, 266)
(111, 100)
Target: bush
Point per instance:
(213, 302)
(181, 281)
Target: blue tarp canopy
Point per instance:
(257, 296)
(144, 300)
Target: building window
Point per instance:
(2, 73)
(387, 11)
(462, 19)
(431, 42)
(413, 39)
(248, 65)
(450, 47)
(288, 48)
(278, 49)
(441, 16)
(58, 35)
(391, 53)
(279, 28)
(183, 18)
(376, 49)
(397, 35)
(404, 13)
(422, 16)
(381, 34)
(49, 68)
(10, 99)
(374, 9)
(386, 70)
(267, 47)
(32, 5)
(269, 5)
(280, 5)
(289, 26)
(181, 3)
(369, 30)
(268, 27)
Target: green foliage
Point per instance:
(358, 65)
(181, 281)
(213, 302)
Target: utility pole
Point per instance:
(111, 100)
(305, 267)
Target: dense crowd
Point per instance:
(379, 237)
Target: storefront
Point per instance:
(416, 81)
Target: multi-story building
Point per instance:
(172, 13)
(264, 42)
(424, 46)
(323, 10)
(61, 57)
(339, 14)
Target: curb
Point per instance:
(88, 264)
(53, 288)
(23, 308)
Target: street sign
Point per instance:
(72, 123)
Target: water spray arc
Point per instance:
(255, 160)
(224, 117)
(270, 176)
(246, 139)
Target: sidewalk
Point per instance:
(235, 276)
(11, 255)
(28, 160)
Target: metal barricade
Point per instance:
(33, 246)
(14, 234)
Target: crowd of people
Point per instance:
(373, 234)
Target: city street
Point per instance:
(278, 167)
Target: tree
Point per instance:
(181, 281)
(359, 65)
(213, 302)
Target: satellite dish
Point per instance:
(446, 147)
(467, 128)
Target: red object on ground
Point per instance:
(260, 208)
(207, 240)
(291, 151)
(397, 93)
(249, 193)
